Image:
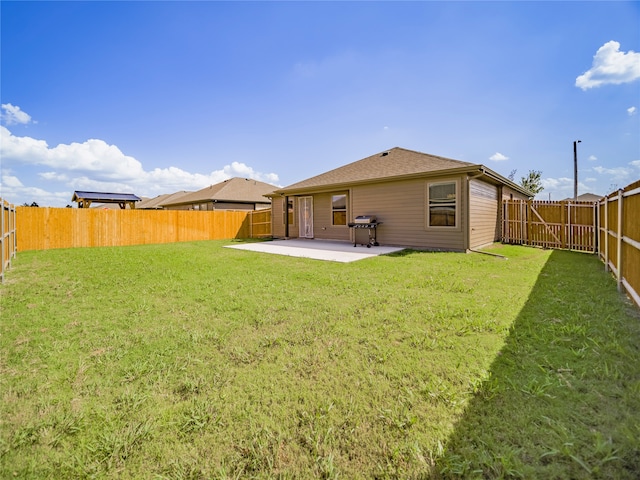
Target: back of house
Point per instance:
(418, 200)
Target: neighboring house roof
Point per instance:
(235, 190)
(104, 197)
(396, 163)
(156, 202)
(109, 206)
(586, 197)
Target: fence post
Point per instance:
(528, 224)
(606, 233)
(502, 221)
(3, 240)
(523, 223)
(14, 232)
(507, 227)
(619, 242)
(565, 231)
(596, 230)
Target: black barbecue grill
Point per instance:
(368, 222)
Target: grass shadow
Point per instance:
(562, 399)
(401, 253)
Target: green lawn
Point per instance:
(190, 361)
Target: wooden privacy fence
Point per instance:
(619, 215)
(8, 238)
(260, 223)
(564, 225)
(610, 227)
(46, 228)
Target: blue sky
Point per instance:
(156, 97)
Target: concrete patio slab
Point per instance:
(317, 249)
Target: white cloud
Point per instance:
(12, 115)
(16, 192)
(617, 173)
(166, 180)
(556, 183)
(54, 176)
(498, 157)
(91, 156)
(635, 163)
(556, 188)
(610, 66)
(632, 111)
(592, 158)
(238, 169)
(96, 165)
(562, 187)
(11, 181)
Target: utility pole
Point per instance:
(575, 169)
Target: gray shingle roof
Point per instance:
(233, 190)
(586, 197)
(156, 202)
(397, 162)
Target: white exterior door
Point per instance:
(305, 213)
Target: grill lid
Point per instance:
(365, 219)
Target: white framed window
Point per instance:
(443, 204)
(339, 209)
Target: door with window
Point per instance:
(305, 215)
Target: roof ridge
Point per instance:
(395, 162)
(234, 189)
(432, 155)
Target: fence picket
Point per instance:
(46, 228)
(609, 228)
(549, 224)
(7, 236)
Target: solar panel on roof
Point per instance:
(105, 196)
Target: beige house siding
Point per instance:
(209, 206)
(237, 206)
(180, 207)
(396, 186)
(483, 213)
(277, 218)
(510, 194)
(322, 218)
(401, 207)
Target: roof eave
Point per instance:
(343, 185)
(507, 182)
(437, 173)
(211, 200)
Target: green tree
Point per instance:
(532, 181)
